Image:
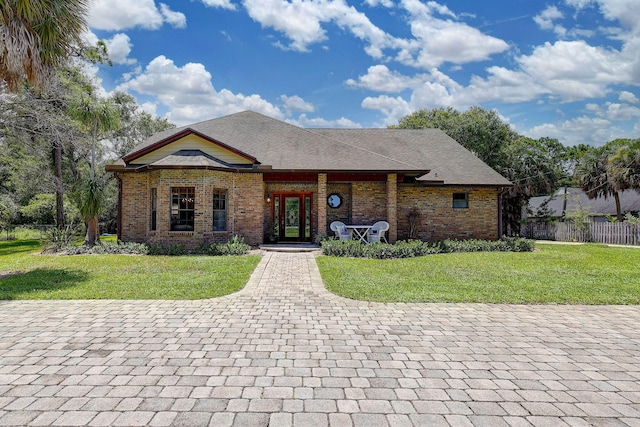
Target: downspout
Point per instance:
(501, 191)
(119, 210)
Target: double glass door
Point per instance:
(292, 215)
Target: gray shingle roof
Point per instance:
(283, 146)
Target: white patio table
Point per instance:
(360, 231)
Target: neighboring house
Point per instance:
(246, 173)
(568, 200)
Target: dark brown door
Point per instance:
(294, 216)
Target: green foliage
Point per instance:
(42, 210)
(632, 219)
(121, 248)
(37, 36)
(8, 212)
(416, 248)
(234, 246)
(57, 239)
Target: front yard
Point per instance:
(554, 274)
(24, 274)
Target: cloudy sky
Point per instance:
(566, 69)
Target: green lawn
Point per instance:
(554, 274)
(25, 274)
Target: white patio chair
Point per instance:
(376, 233)
(340, 229)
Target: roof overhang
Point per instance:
(176, 136)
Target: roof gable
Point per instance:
(189, 139)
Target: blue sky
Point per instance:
(567, 69)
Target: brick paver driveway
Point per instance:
(286, 352)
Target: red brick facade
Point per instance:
(250, 208)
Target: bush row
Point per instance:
(235, 246)
(414, 248)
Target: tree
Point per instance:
(597, 177)
(624, 164)
(99, 117)
(479, 130)
(36, 36)
(136, 124)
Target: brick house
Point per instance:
(245, 173)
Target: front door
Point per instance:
(292, 212)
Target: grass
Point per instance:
(554, 274)
(25, 274)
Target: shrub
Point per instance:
(414, 248)
(121, 248)
(234, 246)
(56, 239)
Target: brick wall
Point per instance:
(342, 212)
(244, 206)
(368, 202)
(439, 220)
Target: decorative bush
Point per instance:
(235, 246)
(414, 248)
(122, 248)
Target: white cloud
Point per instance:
(188, 93)
(614, 111)
(224, 4)
(435, 40)
(296, 103)
(119, 48)
(580, 130)
(374, 3)
(116, 15)
(175, 19)
(380, 79)
(302, 22)
(546, 17)
(444, 40)
(628, 97)
(392, 108)
(306, 122)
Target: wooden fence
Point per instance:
(613, 233)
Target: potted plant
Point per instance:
(271, 233)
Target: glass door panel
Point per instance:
(291, 218)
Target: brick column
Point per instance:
(392, 207)
(322, 203)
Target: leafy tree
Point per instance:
(607, 171)
(136, 124)
(479, 130)
(42, 210)
(99, 117)
(36, 36)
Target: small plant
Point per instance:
(413, 215)
(271, 233)
(57, 239)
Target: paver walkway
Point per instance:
(286, 352)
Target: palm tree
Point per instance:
(597, 178)
(99, 117)
(36, 36)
